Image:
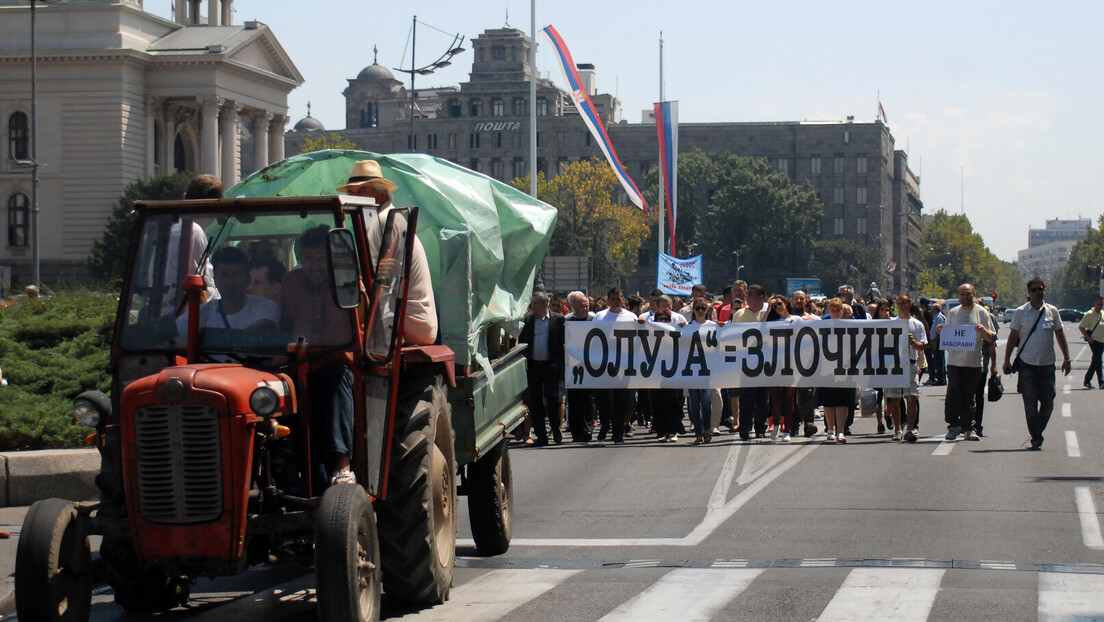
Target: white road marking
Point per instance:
(1072, 449)
(944, 448)
(1070, 596)
(685, 594)
(493, 595)
(898, 594)
(1067, 410)
(760, 459)
(1066, 390)
(1081, 352)
(715, 515)
(1090, 525)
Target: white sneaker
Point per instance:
(785, 437)
(841, 439)
(343, 476)
(673, 438)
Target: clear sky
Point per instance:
(995, 101)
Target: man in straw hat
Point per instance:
(366, 180)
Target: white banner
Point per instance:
(958, 337)
(821, 353)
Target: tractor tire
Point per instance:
(418, 517)
(53, 565)
(347, 556)
(490, 500)
(140, 587)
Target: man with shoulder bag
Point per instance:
(1093, 333)
(1035, 361)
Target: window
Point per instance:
(412, 142)
(520, 107)
(837, 165)
(498, 107)
(561, 139)
(473, 141)
(456, 108)
(542, 107)
(542, 165)
(860, 225)
(519, 167)
(498, 52)
(561, 164)
(476, 107)
(18, 140)
(540, 140)
(452, 140)
(496, 140)
(17, 220)
(369, 115)
(431, 141)
(584, 139)
(498, 169)
(860, 165)
(837, 226)
(783, 165)
(837, 196)
(860, 196)
(814, 165)
(475, 165)
(518, 140)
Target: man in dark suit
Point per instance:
(543, 332)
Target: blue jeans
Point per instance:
(701, 411)
(1036, 386)
(330, 393)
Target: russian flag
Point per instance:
(590, 116)
(666, 116)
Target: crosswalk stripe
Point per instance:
(685, 594)
(493, 595)
(944, 448)
(1067, 410)
(1090, 525)
(899, 594)
(1068, 597)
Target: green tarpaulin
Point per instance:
(485, 240)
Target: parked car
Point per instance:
(1070, 315)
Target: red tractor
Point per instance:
(207, 438)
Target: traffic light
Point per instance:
(994, 296)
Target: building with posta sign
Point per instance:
(123, 94)
(869, 192)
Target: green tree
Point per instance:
(326, 141)
(590, 223)
(845, 262)
(954, 254)
(107, 259)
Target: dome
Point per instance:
(376, 72)
(309, 124)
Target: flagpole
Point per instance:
(533, 98)
(661, 206)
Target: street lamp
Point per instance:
(33, 163)
(441, 62)
(739, 266)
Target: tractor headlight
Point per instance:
(264, 401)
(91, 408)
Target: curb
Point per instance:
(7, 597)
(28, 476)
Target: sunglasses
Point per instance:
(700, 309)
(1036, 290)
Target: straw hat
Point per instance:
(367, 172)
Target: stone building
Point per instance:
(123, 94)
(1048, 249)
(869, 193)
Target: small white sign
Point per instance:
(958, 337)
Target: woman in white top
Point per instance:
(701, 400)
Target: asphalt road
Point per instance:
(736, 530)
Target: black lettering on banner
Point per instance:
(837, 354)
(695, 354)
(601, 336)
(807, 331)
(668, 372)
(730, 358)
(889, 348)
(619, 336)
(860, 349)
(786, 336)
(711, 338)
(753, 351)
(650, 355)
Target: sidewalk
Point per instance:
(27, 476)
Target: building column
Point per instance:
(210, 136)
(227, 12)
(153, 154)
(213, 12)
(260, 139)
(181, 11)
(276, 138)
(229, 125)
(168, 142)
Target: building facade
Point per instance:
(869, 192)
(1048, 249)
(121, 95)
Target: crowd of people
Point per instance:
(780, 413)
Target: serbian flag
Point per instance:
(590, 116)
(881, 111)
(666, 116)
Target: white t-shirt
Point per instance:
(255, 310)
(916, 329)
(605, 315)
(970, 317)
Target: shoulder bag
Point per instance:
(1019, 347)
